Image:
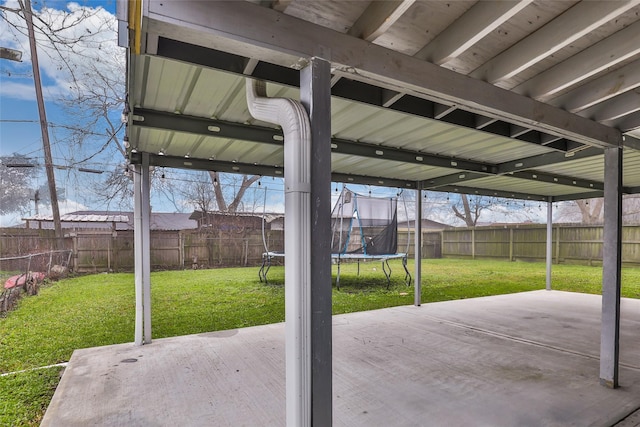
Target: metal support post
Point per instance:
(315, 96)
(142, 334)
(137, 248)
(611, 268)
(145, 185)
(549, 241)
(417, 241)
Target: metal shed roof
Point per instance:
(513, 99)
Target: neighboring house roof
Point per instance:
(426, 225)
(268, 216)
(172, 221)
(122, 220)
(506, 224)
(82, 217)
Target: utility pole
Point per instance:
(48, 159)
(36, 199)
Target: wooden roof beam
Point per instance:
(378, 17)
(469, 29)
(573, 24)
(611, 51)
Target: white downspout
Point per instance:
(293, 119)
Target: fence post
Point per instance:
(180, 250)
(510, 244)
(75, 251)
(558, 245)
(473, 243)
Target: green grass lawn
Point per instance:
(99, 309)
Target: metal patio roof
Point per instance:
(512, 99)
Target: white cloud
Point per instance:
(65, 206)
(86, 44)
(9, 220)
(26, 91)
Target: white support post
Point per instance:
(142, 334)
(417, 241)
(138, 252)
(315, 96)
(146, 247)
(549, 241)
(611, 268)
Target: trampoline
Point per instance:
(364, 228)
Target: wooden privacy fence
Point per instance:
(106, 250)
(101, 250)
(577, 244)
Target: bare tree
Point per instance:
(591, 211)
(81, 47)
(631, 209)
(237, 186)
(199, 193)
(587, 211)
(116, 189)
(469, 210)
(82, 57)
(16, 175)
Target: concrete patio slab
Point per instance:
(528, 359)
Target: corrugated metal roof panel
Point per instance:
(518, 53)
(592, 168)
(517, 185)
(78, 217)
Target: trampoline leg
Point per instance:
(338, 276)
(407, 275)
(387, 271)
(260, 272)
(266, 271)
(358, 268)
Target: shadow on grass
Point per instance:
(349, 283)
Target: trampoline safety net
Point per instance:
(364, 224)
